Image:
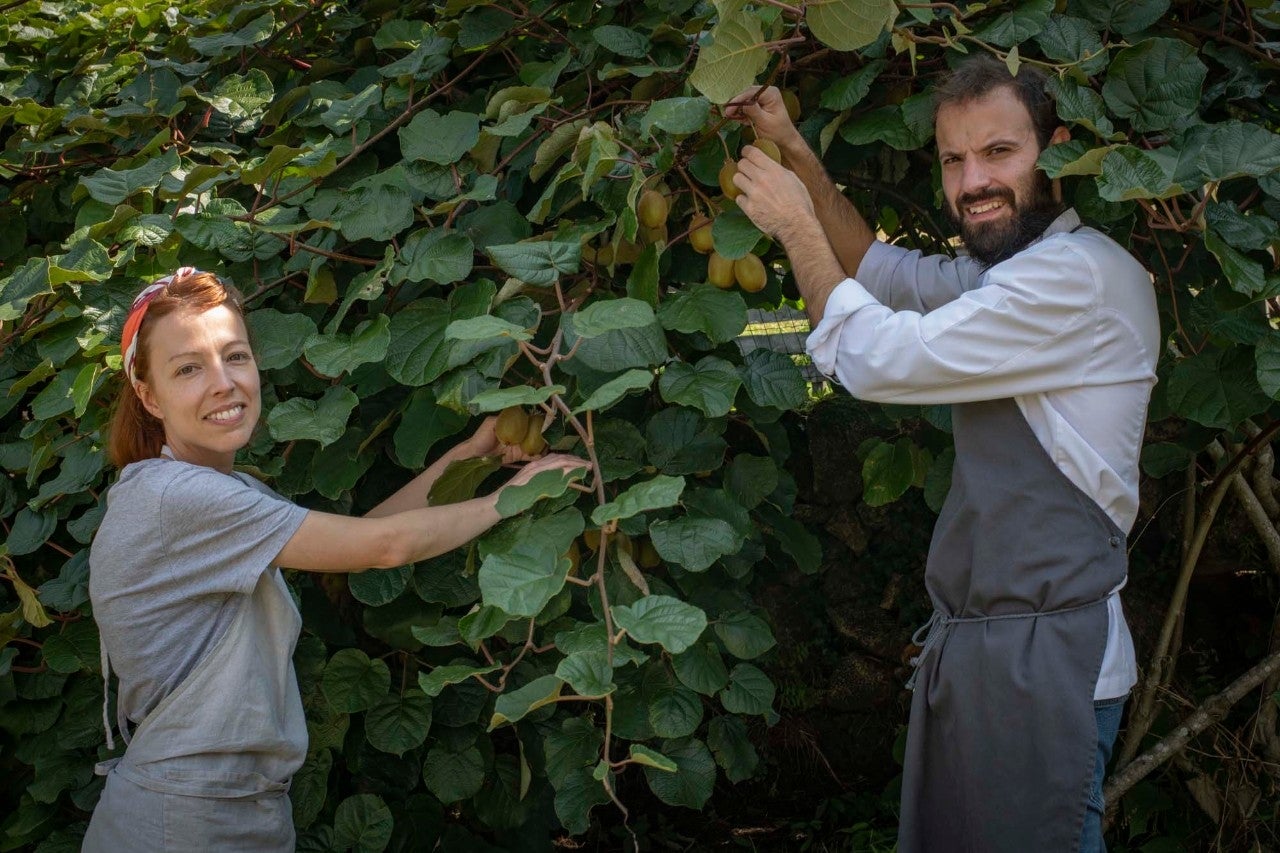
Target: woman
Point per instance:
(186, 592)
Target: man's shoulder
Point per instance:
(1096, 255)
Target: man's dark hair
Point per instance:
(980, 75)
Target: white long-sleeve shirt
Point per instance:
(1068, 328)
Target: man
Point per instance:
(1045, 339)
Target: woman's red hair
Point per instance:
(135, 434)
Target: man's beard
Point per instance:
(991, 243)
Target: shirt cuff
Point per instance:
(823, 343)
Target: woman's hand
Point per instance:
(551, 462)
(484, 442)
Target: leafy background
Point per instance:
(431, 208)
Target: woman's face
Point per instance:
(203, 385)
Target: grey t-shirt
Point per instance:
(179, 549)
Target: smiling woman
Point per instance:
(197, 618)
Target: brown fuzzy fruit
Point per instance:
(652, 209)
(727, 186)
(749, 271)
(512, 425)
(720, 271)
(533, 443)
(648, 236)
(770, 149)
(700, 235)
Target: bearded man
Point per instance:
(1044, 338)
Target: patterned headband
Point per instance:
(132, 323)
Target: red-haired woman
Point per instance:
(185, 588)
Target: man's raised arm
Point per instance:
(846, 230)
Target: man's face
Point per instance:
(995, 195)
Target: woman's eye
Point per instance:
(240, 356)
(186, 370)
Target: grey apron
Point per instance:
(209, 767)
(1002, 740)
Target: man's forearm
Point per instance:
(814, 264)
(847, 232)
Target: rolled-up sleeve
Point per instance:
(1029, 329)
(909, 280)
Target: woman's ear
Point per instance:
(148, 400)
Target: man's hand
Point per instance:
(772, 196)
(767, 114)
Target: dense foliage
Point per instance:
(432, 208)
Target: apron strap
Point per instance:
(121, 720)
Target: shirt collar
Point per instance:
(1066, 222)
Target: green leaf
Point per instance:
(498, 399)
(733, 57)
(701, 668)
(749, 692)
(577, 795)
(744, 635)
(691, 785)
(252, 33)
(517, 704)
(674, 710)
(1217, 388)
(772, 379)
(353, 682)
(1017, 25)
(1073, 157)
(888, 472)
(334, 355)
(310, 786)
(1154, 83)
(847, 92)
(423, 423)
(795, 539)
(727, 737)
(849, 24)
(694, 543)
(514, 500)
(734, 235)
(720, 315)
(380, 586)
(1235, 149)
(524, 577)
(660, 492)
(676, 116)
(442, 676)
(419, 353)
(1130, 173)
(362, 823)
(27, 282)
(73, 649)
(1268, 371)
(461, 479)
(322, 420)
(111, 186)
(621, 40)
(1072, 40)
(661, 619)
(622, 349)
(278, 338)
(709, 386)
(607, 315)
(614, 390)
(442, 139)
(436, 254)
(1126, 18)
(399, 723)
(646, 757)
(1245, 275)
(538, 263)
(453, 775)
(588, 673)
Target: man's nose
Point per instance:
(975, 177)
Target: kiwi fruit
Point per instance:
(750, 274)
(720, 271)
(512, 425)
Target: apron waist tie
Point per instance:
(933, 633)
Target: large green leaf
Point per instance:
(674, 710)
(278, 338)
(694, 543)
(720, 315)
(1154, 83)
(727, 737)
(744, 635)
(608, 315)
(733, 56)
(399, 723)
(523, 578)
(709, 385)
(514, 500)
(733, 234)
(436, 254)
(362, 823)
(1017, 25)
(749, 692)
(614, 390)
(1268, 372)
(334, 355)
(322, 420)
(661, 619)
(888, 472)
(442, 676)
(515, 705)
(1217, 388)
(1235, 149)
(588, 673)
(849, 24)
(112, 186)
(453, 775)
(437, 138)
(353, 682)
(691, 785)
(701, 668)
(1129, 173)
(540, 263)
(658, 493)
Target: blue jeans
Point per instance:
(1108, 713)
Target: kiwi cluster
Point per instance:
(515, 427)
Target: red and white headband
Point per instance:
(138, 311)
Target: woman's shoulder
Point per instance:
(167, 480)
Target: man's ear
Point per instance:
(1062, 134)
(148, 400)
